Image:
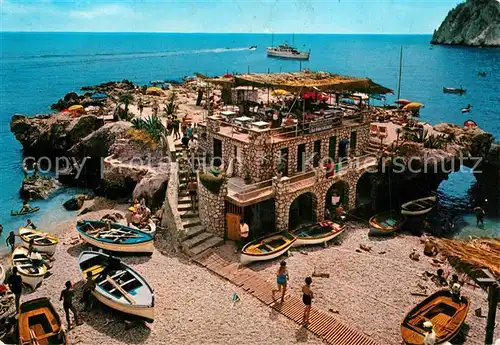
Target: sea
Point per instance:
(37, 69)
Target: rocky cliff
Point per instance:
(472, 23)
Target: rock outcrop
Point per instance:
(152, 188)
(34, 188)
(473, 23)
(76, 202)
(51, 135)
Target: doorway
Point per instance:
(217, 152)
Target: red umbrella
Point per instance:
(403, 101)
(317, 96)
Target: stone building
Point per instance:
(277, 177)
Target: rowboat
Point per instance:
(317, 233)
(466, 109)
(40, 324)
(42, 241)
(31, 272)
(267, 248)
(386, 223)
(150, 228)
(2, 274)
(21, 213)
(119, 238)
(454, 90)
(419, 207)
(117, 285)
(446, 314)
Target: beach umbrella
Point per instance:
(403, 101)
(317, 96)
(280, 92)
(99, 96)
(413, 106)
(153, 90)
(75, 107)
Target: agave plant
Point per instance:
(420, 136)
(171, 107)
(434, 142)
(151, 125)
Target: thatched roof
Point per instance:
(305, 81)
(473, 255)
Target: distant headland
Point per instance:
(472, 23)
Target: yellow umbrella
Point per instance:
(280, 92)
(75, 107)
(153, 90)
(413, 106)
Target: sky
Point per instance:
(252, 16)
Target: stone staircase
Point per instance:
(374, 146)
(195, 240)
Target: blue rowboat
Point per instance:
(118, 238)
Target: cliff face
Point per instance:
(473, 23)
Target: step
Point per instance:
(184, 200)
(187, 214)
(192, 232)
(196, 240)
(190, 222)
(210, 243)
(183, 207)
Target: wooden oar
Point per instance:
(119, 288)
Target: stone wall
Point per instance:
(212, 209)
(171, 219)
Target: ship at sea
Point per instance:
(287, 52)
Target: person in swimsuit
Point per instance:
(67, 298)
(192, 193)
(281, 280)
(11, 240)
(307, 296)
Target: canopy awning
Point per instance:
(304, 81)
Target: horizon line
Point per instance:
(217, 33)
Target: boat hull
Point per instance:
(17, 213)
(144, 312)
(379, 225)
(247, 258)
(303, 241)
(43, 248)
(405, 208)
(446, 314)
(31, 279)
(143, 247)
(149, 229)
(286, 55)
(451, 90)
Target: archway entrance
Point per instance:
(302, 210)
(336, 196)
(364, 188)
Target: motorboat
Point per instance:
(31, 271)
(40, 324)
(267, 248)
(118, 285)
(287, 52)
(446, 312)
(419, 207)
(252, 48)
(467, 109)
(454, 90)
(319, 233)
(116, 237)
(42, 241)
(386, 223)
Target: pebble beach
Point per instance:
(370, 291)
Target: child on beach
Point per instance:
(87, 292)
(281, 280)
(67, 298)
(307, 296)
(11, 240)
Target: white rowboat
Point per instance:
(42, 241)
(31, 272)
(419, 207)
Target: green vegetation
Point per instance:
(171, 107)
(212, 183)
(151, 125)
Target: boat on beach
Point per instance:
(117, 285)
(20, 213)
(419, 207)
(317, 233)
(267, 248)
(149, 228)
(287, 52)
(40, 324)
(386, 223)
(446, 314)
(118, 238)
(31, 272)
(454, 90)
(42, 241)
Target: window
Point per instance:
(352, 142)
(332, 148)
(301, 150)
(283, 161)
(317, 153)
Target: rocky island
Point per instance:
(472, 23)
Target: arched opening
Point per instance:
(337, 195)
(364, 187)
(302, 210)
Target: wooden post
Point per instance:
(493, 291)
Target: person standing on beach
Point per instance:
(307, 296)
(29, 224)
(140, 105)
(281, 280)
(244, 231)
(176, 125)
(67, 298)
(15, 283)
(11, 241)
(1, 229)
(88, 287)
(479, 215)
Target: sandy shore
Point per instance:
(192, 305)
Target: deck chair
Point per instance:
(382, 131)
(374, 130)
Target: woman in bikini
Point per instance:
(281, 280)
(307, 296)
